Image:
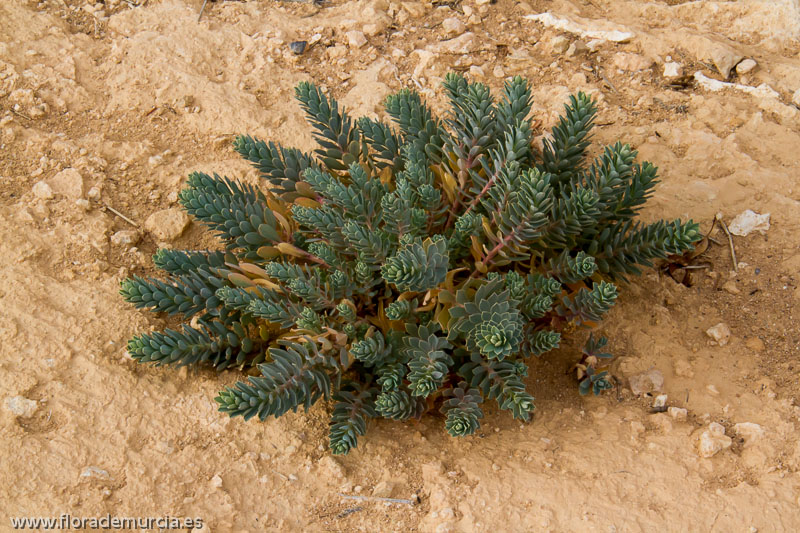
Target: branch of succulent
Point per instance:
(397, 270)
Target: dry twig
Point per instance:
(201, 10)
(376, 499)
(120, 215)
(730, 242)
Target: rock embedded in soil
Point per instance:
(730, 287)
(650, 381)
(356, 39)
(720, 333)
(750, 432)
(713, 440)
(683, 368)
(21, 406)
(167, 224)
(68, 182)
(465, 43)
(125, 237)
(755, 344)
(749, 221)
(677, 413)
(796, 98)
(42, 190)
(95, 472)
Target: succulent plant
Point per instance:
(394, 270)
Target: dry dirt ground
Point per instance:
(132, 98)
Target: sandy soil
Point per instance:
(132, 98)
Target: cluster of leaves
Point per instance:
(396, 270)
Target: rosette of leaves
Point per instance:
(399, 268)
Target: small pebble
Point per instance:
(720, 333)
(714, 440)
(93, 471)
(745, 66)
(672, 70)
(677, 413)
(731, 288)
(298, 47)
(453, 26)
(356, 39)
(660, 401)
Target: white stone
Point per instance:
(745, 66)
(720, 333)
(660, 401)
(216, 481)
(356, 39)
(672, 70)
(68, 182)
(21, 406)
(713, 440)
(677, 413)
(498, 72)
(125, 237)
(94, 193)
(565, 24)
(167, 224)
(453, 26)
(476, 72)
(93, 471)
(749, 431)
(42, 190)
(747, 222)
(762, 91)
